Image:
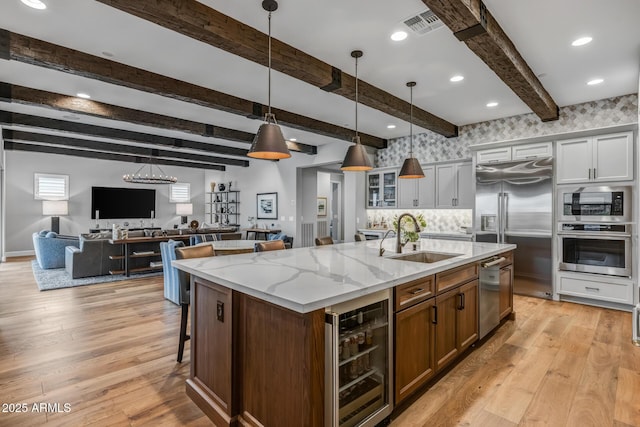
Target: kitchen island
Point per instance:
(258, 322)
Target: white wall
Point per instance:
(24, 214)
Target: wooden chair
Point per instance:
(184, 279)
(326, 240)
(360, 237)
(271, 245)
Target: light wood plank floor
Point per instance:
(109, 351)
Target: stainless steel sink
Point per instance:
(426, 257)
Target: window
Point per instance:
(180, 193)
(50, 187)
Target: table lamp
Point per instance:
(55, 208)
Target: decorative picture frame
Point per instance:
(322, 206)
(267, 205)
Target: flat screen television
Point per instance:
(122, 203)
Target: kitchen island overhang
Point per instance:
(262, 361)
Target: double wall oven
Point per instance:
(595, 230)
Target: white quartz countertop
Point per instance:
(307, 279)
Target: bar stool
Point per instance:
(184, 279)
(326, 240)
(360, 237)
(271, 245)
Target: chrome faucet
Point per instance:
(382, 241)
(415, 224)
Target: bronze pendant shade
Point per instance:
(269, 142)
(357, 159)
(411, 168)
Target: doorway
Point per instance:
(337, 213)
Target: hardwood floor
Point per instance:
(109, 351)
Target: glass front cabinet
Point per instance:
(382, 189)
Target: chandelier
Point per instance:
(149, 178)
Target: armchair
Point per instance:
(50, 248)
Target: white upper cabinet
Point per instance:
(381, 188)
(494, 155)
(418, 193)
(454, 188)
(516, 152)
(531, 151)
(596, 159)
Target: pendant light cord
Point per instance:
(411, 124)
(356, 97)
(269, 94)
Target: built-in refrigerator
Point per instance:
(514, 204)
(358, 359)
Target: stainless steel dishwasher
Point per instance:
(489, 299)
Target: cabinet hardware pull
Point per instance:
(494, 262)
(594, 173)
(416, 291)
(589, 173)
(461, 304)
(464, 301)
(435, 315)
(592, 288)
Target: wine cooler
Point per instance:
(358, 359)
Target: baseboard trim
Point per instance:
(19, 253)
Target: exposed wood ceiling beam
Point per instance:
(24, 49)
(34, 97)
(43, 148)
(110, 147)
(117, 134)
(472, 23)
(200, 22)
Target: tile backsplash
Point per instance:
(438, 220)
(431, 147)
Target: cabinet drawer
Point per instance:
(614, 292)
(413, 292)
(494, 155)
(456, 277)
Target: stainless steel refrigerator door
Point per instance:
(487, 211)
(532, 272)
(528, 208)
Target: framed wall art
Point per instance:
(322, 206)
(267, 204)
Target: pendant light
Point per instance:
(269, 142)
(356, 158)
(411, 168)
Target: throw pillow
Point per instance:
(43, 233)
(51, 234)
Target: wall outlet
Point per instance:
(291, 218)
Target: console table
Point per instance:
(264, 231)
(143, 248)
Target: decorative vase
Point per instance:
(221, 187)
(213, 186)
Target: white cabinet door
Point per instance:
(613, 157)
(408, 193)
(574, 160)
(494, 155)
(427, 188)
(445, 185)
(464, 197)
(531, 151)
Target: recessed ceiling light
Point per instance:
(595, 82)
(36, 4)
(391, 126)
(399, 36)
(456, 78)
(492, 104)
(581, 41)
(83, 95)
(293, 139)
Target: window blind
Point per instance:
(180, 193)
(51, 187)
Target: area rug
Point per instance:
(58, 278)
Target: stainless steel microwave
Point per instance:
(599, 204)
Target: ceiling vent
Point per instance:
(423, 22)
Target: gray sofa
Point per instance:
(92, 257)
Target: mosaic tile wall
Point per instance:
(432, 147)
(438, 220)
